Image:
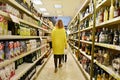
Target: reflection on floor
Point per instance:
(69, 70)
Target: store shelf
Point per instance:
(46, 25)
(25, 67)
(89, 57)
(109, 22)
(88, 42)
(84, 5)
(86, 29)
(90, 14)
(74, 39)
(104, 2)
(109, 70)
(9, 37)
(74, 33)
(87, 76)
(39, 68)
(23, 21)
(21, 8)
(5, 62)
(6, 15)
(110, 46)
(74, 46)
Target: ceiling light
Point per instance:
(58, 6)
(42, 9)
(37, 2)
(46, 13)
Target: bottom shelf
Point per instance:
(87, 76)
(39, 68)
(109, 70)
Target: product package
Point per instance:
(1, 51)
(9, 50)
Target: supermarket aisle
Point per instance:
(69, 71)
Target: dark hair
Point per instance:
(59, 24)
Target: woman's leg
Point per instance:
(60, 57)
(65, 57)
(55, 60)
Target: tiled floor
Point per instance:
(69, 71)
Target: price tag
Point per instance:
(14, 18)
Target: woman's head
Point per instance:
(59, 24)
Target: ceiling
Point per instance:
(69, 7)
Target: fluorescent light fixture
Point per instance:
(58, 6)
(46, 13)
(42, 9)
(37, 2)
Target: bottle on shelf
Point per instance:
(102, 36)
(119, 34)
(116, 37)
(99, 77)
(106, 14)
(116, 11)
(106, 35)
(111, 13)
(88, 49)
(119, 8)
(97, 35)
(110, 36)
(106, 56)
(101, 15)
(91, 6)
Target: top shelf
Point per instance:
(18, 6)
(84, 5)
(6, 15)
(103, 3)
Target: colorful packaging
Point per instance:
(15, 48)
(9, 52)
(12, 69)
(1, 24)
(7, 72)
(18, 47)
(5, 27)
(1, 51)
(23, 47)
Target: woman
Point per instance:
(59, 42)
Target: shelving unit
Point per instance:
(39, 68)
(87, 76)
(24, 67)
(21, 8)
(86, 29)
(4, 63)
(74, 39)
(23, 21)
(109, 70)
(88, 56)
(99, 25)
(6, 37)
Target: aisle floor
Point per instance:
(69, 70)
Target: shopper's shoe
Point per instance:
(60, 65)
(56, 70)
